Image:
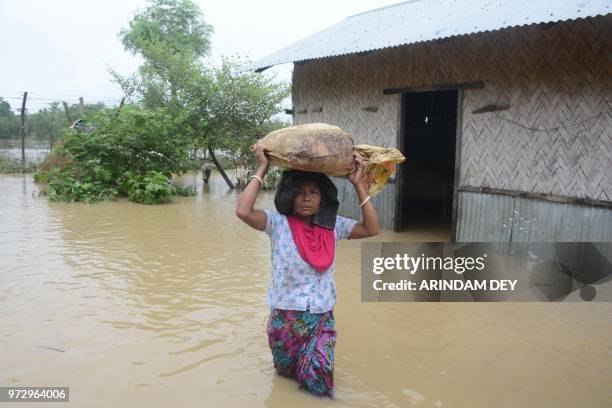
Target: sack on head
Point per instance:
(328, 149)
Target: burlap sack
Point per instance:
(328, 149)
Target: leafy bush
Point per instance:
(132, 154)
(88, 182)
(185, 190)
(153, 188)
(137, 140)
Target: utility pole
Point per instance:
(23, 104)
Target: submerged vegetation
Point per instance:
(133, 154)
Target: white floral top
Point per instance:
(294, 284)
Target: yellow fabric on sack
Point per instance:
(380, 164)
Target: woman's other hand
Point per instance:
(357, 177)
(368, 227)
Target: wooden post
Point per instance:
(119, 108)
(23, 104)
(81, 106)
(67, 113)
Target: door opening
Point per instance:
(428, 175)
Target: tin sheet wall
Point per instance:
(502, 218)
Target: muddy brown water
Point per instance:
(157, 306)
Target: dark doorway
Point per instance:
(429, 135)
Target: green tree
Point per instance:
(5, 109)
(171, 37)
(9, 122)
(230, 108)
(224, 106)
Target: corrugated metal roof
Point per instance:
(424, 20)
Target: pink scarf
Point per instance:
(315, 243)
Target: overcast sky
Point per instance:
(62, 49)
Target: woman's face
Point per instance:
(307, 201)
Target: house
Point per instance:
(503, 110)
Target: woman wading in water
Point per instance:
(303, 230)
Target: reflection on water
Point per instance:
(166, 306)
(35, 150)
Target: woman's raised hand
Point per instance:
(258, 150)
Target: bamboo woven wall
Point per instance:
(555, 78)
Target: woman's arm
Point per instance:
(244, 209)
(369, 225)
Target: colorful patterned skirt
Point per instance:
(302, 345)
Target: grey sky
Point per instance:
(62, 49)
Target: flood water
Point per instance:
(165, 305)
(35, 150)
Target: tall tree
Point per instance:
(223, 105)
(171, 37)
